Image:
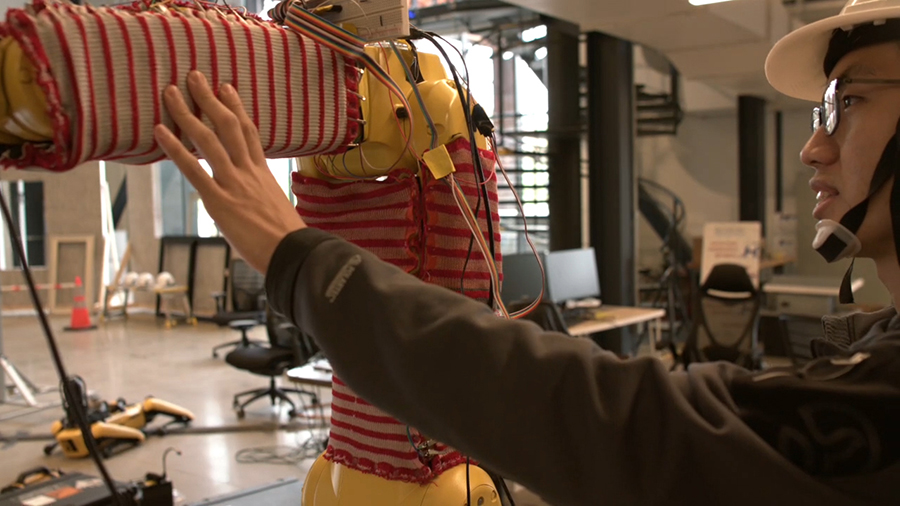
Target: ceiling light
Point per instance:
(707, 2)
(535, 33)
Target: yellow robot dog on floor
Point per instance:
(113, 425)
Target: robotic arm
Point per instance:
(396, 139)
(392, 136)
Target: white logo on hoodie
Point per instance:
(337, 284)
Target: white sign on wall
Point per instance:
(732, 243)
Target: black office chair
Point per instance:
(726, 319)
(248, 302)
(798, 332)
(288, 347)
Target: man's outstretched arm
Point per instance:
(555, 413)
(558, 414)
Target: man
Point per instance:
(563, 417)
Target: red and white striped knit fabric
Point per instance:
(103, 71)
(388, 217)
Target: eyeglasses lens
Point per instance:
(830, 108)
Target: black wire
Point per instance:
(468, 485)
(282, 455)
(288, 455)
(476, 157)
(475, 154)
(67, 383)
(479, 171)
(480, 176)
(512, 502)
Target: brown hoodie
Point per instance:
(576, 424)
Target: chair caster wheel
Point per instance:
(292, 413)
(215, 355)
(241, 414)
(48, 450)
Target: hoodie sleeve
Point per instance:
(561, 416)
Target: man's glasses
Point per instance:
(828, 113)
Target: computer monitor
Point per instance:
(522, 281)
(572, 275)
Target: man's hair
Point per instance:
(843, 42)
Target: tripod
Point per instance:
(21, 385)
(676, 254)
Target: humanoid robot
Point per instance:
(343, 475)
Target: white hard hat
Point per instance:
(164, 279)
(130, 279)
(795, 65)
(146, 280)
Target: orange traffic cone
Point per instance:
(81, 319)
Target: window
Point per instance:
(26, 203)
(206, 227)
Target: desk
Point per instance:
(613, 317)
(811, 287)
(312, 374)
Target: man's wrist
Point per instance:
(286, 262)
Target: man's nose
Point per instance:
(820, 150)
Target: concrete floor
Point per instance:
(138, 358)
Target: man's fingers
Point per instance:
(203, 138)
(227, 125)
(229, 96)
(185, 161)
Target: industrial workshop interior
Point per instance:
(622, 178)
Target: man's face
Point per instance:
(845, 161)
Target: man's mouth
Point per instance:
(824, 195)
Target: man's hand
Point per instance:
(242, 196)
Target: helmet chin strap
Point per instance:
(836, 241)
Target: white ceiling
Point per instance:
(721, 46)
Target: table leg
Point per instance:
(656, 332)
(105, 313)
(165, 306)
(188, 310)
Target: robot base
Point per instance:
(331, 484)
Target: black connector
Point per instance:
(482, 121)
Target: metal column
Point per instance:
(504, 91)
(611, 133)
(564, 127)
(752, 159)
